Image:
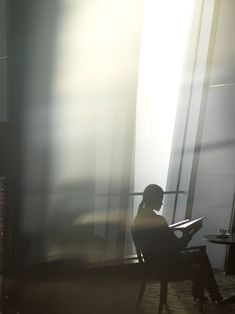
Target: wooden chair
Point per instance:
(167, 274)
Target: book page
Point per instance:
(189, 223)
(179, 223)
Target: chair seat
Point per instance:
(176, 273)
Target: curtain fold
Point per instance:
(88, 141)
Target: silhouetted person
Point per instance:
(159, 243)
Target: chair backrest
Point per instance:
(143, 253)
(137, 246)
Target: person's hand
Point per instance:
(186, 236)
(196, 228)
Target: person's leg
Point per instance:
(209, 278)
(188, 258)
(201, 257)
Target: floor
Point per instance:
(117, 296)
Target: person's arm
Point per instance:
(170, 239)
(179, 243)
(185, 239)
(187, 234)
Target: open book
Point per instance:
(186, 224)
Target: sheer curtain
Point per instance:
(91, 121)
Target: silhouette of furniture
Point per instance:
(8, 300)
(4, 242)
(166, 274)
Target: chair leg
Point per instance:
(141, 292)
(201, 301)
(163, 294)
(201, 291)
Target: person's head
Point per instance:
(153, 196)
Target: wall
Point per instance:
(4, 125)
(190, 106)
(215, 182)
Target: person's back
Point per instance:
(154, 236)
